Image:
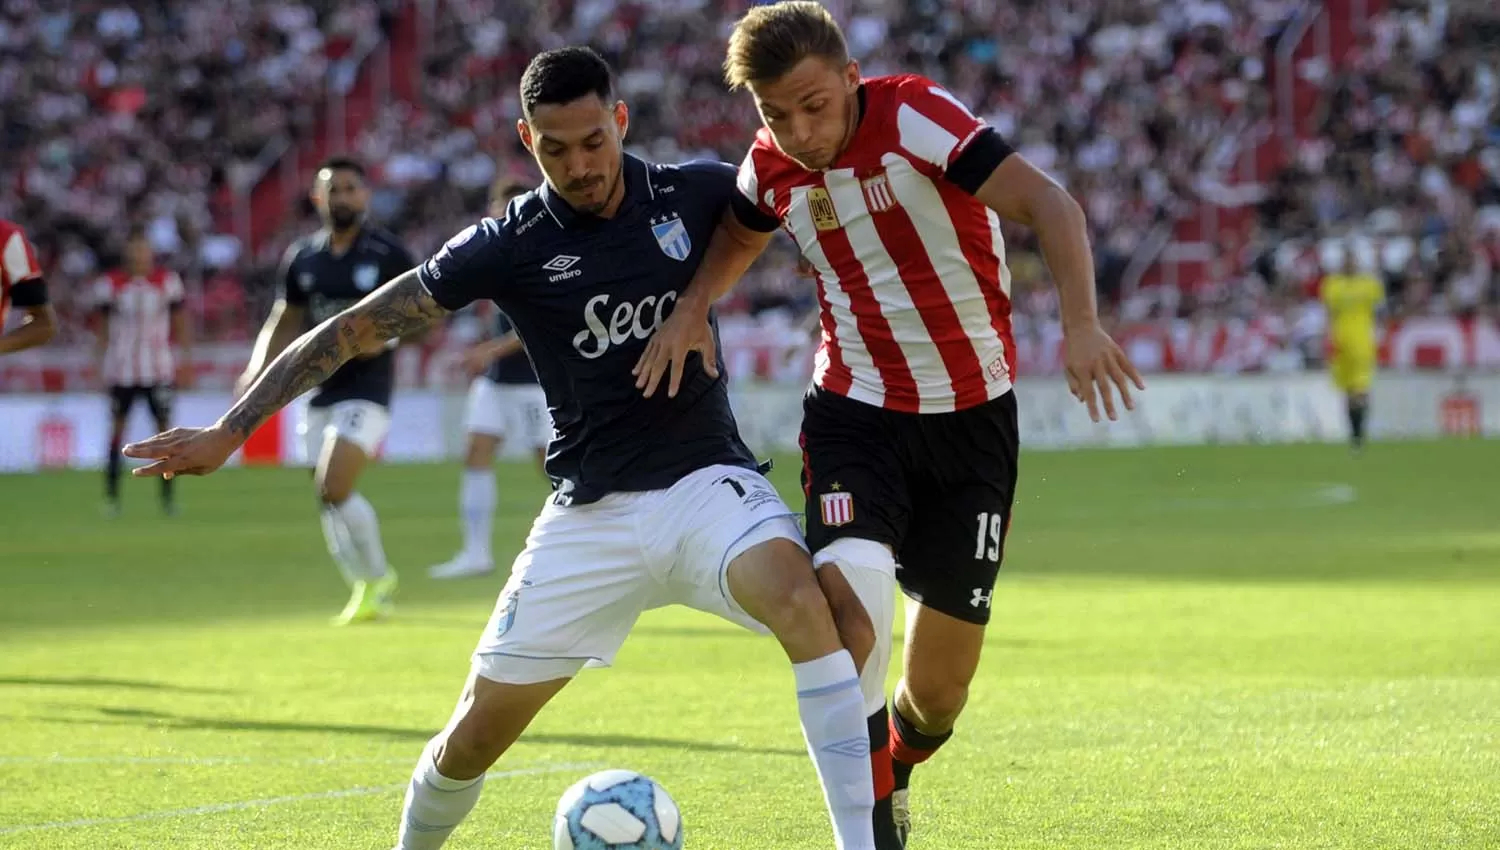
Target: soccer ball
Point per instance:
(617, 810)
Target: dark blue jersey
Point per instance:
(585, 294)
(324, 283)
(514, 369)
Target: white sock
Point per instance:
(838, 738)
(476, 504)
(435, 805)
(364, 532)
(341, 546)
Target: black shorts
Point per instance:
(937, 488)
(158, 398)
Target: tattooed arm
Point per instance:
(400, 308)
(474, 264)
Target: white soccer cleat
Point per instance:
(463, 566)
(901, 814)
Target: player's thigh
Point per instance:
(161, 398)
(121, 399)
(853, 480)
(705, 523)
(573, 595)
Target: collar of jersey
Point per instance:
(638, 188)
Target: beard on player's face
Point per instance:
(591, 193)
(342, 217)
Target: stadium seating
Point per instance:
(1225, 152)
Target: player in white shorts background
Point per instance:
(348, 415)
(506, 406)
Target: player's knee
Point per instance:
(783, 593)
(480, 452)
(937, 701)
(333, 492)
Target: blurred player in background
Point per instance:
(349, 413)
(657, 501)
(505, 404)
(1353, 299)
(22, 287)
(894, 193)
(140, 314)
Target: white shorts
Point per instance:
(514, 412)
(363, 423)
(588, 571)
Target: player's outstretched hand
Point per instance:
(1096, 366)
(183, 451)
(684, 331)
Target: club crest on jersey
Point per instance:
(305, 281)
(838, 508)
(365, 277)
(878, 194)
(824, 216)
(671, 234)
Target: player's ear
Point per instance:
(622, 117)
(851, 75)
(524, 131)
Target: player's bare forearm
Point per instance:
(503, 346)
(280, 329)
(39, 326)
(1063, 233)
(397, 309)
(1019, 192)
(731, 251)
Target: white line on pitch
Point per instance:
(271, 801)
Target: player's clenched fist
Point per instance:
(183, 451)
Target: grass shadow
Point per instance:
(124, 716)
(103, 682)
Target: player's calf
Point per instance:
(449, 776)
(774, 582)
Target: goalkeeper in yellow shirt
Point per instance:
(1353, 299)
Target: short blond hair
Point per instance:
(771, 40)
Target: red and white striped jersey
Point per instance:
(18, 263)
(139, 348)
(912, 282)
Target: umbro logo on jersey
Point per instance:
(563, 265)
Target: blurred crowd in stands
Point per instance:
(118, 112)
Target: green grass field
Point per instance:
(1249, 647)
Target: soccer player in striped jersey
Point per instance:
(894, 192)
(22, 287)
(140, 309)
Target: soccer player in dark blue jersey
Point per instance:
(656, 501)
